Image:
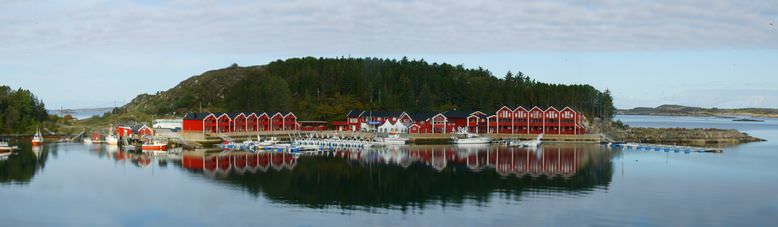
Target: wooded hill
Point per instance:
(20, 111)
(326, 88)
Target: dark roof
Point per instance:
(525, 107)
(456, 114)
(422, 116)
(382, 114)
(233, 114)
(477, 113)
(137, 127)
(361, 113)
(512, 107)
(196, 116)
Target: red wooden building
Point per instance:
(521, 120)
(356, 120)
(239, 122)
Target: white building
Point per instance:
(168, 123)
(396, 127)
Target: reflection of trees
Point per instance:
(21, 167)
(417, 176)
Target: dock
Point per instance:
(665, 148)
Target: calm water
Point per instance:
(564, 184)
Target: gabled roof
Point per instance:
(568, 108)
(510, 108)
(250, 113)
(138, 127)
(196, 116)
(219, 114)
(232, 115)
(354, 113)
(456, 114)
(551, 107)
(381, 114)
(521, 108)
(478, 113)
(535, 107)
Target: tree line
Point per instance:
(20, 111)
(326, 88)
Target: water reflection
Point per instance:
(403, 177)
(21, 167)
(409, 176)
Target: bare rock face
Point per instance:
(684, 136)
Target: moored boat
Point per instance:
(534, 143)
(464, 137)
(6, 150)
(393, 139)
(154, 146)
(37, 139)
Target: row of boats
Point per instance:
(464, 137)
(319, 142)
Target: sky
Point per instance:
(95, 53)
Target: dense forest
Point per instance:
(326, 88)
(20, 111)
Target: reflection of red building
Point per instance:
(554, 161)
(240, 162)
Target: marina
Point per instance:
(342, 185)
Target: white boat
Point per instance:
(535, 143)
(111, 140)
(464, 137)
(37, 139)
(266, 142)
(87, 141)
(392, 138)
(5, 149)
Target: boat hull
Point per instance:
(472, 141)
(154, 147)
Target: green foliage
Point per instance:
(326, 88)
(20, 111)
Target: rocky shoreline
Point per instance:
(683, 136)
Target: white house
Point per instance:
(397, 127)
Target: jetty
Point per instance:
(665, 148)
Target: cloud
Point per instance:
(384, 27)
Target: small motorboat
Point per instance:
(111, 140)
(535, 143)
(87, 141)
(393, 139)
(6, 150)
(154, 146)
(464, 137)
(37, 139)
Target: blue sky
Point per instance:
(96, 53)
